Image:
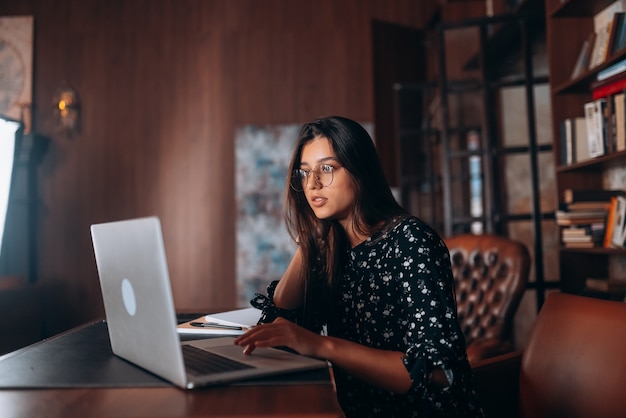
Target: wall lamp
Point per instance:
(67, 109)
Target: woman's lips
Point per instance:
(317, 201)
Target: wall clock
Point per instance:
(16, 67)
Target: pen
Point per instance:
(215, 325)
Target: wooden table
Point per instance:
(76, 375)
(308, 400)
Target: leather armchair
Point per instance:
(490, 275)
(572, 366)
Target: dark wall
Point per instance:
(163, 86)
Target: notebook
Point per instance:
(235, 322)
(141, 318)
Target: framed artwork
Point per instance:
(264, 247)
(16, 67)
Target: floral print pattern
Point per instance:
(397, 293)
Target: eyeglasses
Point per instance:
(322, 174)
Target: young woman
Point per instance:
(378, 279)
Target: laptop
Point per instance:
(140, 313)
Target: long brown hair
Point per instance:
(324, 243)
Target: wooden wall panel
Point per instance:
(164, 84)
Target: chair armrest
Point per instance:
(483, 349)
(497, 384)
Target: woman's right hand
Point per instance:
(281, 333)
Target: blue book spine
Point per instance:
(612, 70)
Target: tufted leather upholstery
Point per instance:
(490, 275)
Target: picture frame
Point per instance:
(16, 67)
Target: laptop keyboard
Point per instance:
(200, 362)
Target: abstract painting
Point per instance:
(264, 247)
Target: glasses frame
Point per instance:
(300, 177)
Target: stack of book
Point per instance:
(606, 288)
(583, 236)
(586, 215)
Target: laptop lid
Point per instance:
(138, 302)
(139, 307)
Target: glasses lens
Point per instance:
(298, 180)
(322, 174)
(325, 174)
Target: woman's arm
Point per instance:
(289, 293)
(378, 367)
(381, 368)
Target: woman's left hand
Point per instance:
(281, 333)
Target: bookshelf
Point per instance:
(568, 24)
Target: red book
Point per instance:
(609, 88)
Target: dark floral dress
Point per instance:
(397, 294)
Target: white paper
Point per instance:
(244, 318)
(247, 317)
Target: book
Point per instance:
(609, 86)
(619, 108)
(601, 116)
(606, 284)
(579, 245)
(586, 235)
(567, 142)
(612, 70)
(587, 195)
(589, 205)
(580, 221)
(575, 238)
(579, 230)
(582, 62)
(609, 125)
(620, 42)
(617, 40)
(614, 296)
(581, 142)
(574, 231)
(235, 322)
(580, 217)
(584, 241)
(610, 223)
(618, 235)
(600, 45)
(580, 214)
(614, 28)
(596, 130)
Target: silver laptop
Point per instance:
(141, 318)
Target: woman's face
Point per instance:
(332, 201)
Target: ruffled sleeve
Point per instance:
(269, 311)
(421, 359)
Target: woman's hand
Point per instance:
(379, 367)
(281, 333)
